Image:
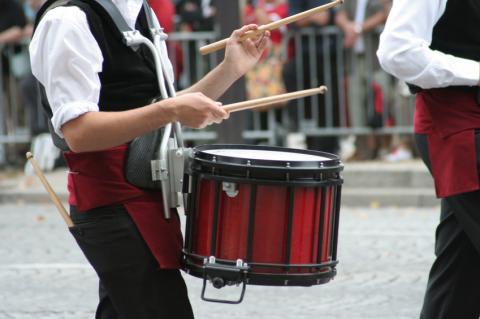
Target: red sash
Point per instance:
(449, 117)
(97, 179)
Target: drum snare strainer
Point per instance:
(261, 215)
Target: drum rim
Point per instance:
(275, 279)
(325, 271)
(333, 161)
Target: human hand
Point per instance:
(195, 110)
(350, 36)
(321, 19)
(241, 56)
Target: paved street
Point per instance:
(384, 254)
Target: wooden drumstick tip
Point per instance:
(215, 46)
(53, 196)
(324, 89)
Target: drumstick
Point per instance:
(212, 47)
(252, 104)
(50, 190)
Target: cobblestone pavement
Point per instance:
(384, 257)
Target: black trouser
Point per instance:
(453, 289)
(132, 286)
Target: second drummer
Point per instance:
(434, 45)
(99, 92)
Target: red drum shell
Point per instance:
(278, 228)
(270, 233)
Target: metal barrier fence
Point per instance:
(15, 121)
(386, 107)
(319, 59)
(190, 66)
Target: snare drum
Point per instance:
(262, 215)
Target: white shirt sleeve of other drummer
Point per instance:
(404, 48)
(63, 39)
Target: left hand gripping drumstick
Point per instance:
(50, 191)
(271, 26)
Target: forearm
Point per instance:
(11, 35)
(374, 21)
(240, 57)
(319, 19)
(101, 130)
(342, 21)
(216, 82)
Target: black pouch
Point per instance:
(141, 151)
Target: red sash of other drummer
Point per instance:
(449, 117)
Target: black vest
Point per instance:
(128, 78)
(456, 32)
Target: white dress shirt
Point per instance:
(66, 59)
(404, 48)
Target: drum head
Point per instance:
(266, 156)
(253, 162)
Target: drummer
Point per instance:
(434, 45)
(99, 91)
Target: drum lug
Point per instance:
(230, 189)
(221, 275)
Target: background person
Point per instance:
(196, 15)
(12, 21)
(368, 85)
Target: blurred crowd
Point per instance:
(359, 21)
(366, 87)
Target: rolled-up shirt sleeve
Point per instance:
(66, 60)
(404, 49)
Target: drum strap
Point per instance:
(107, 5)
